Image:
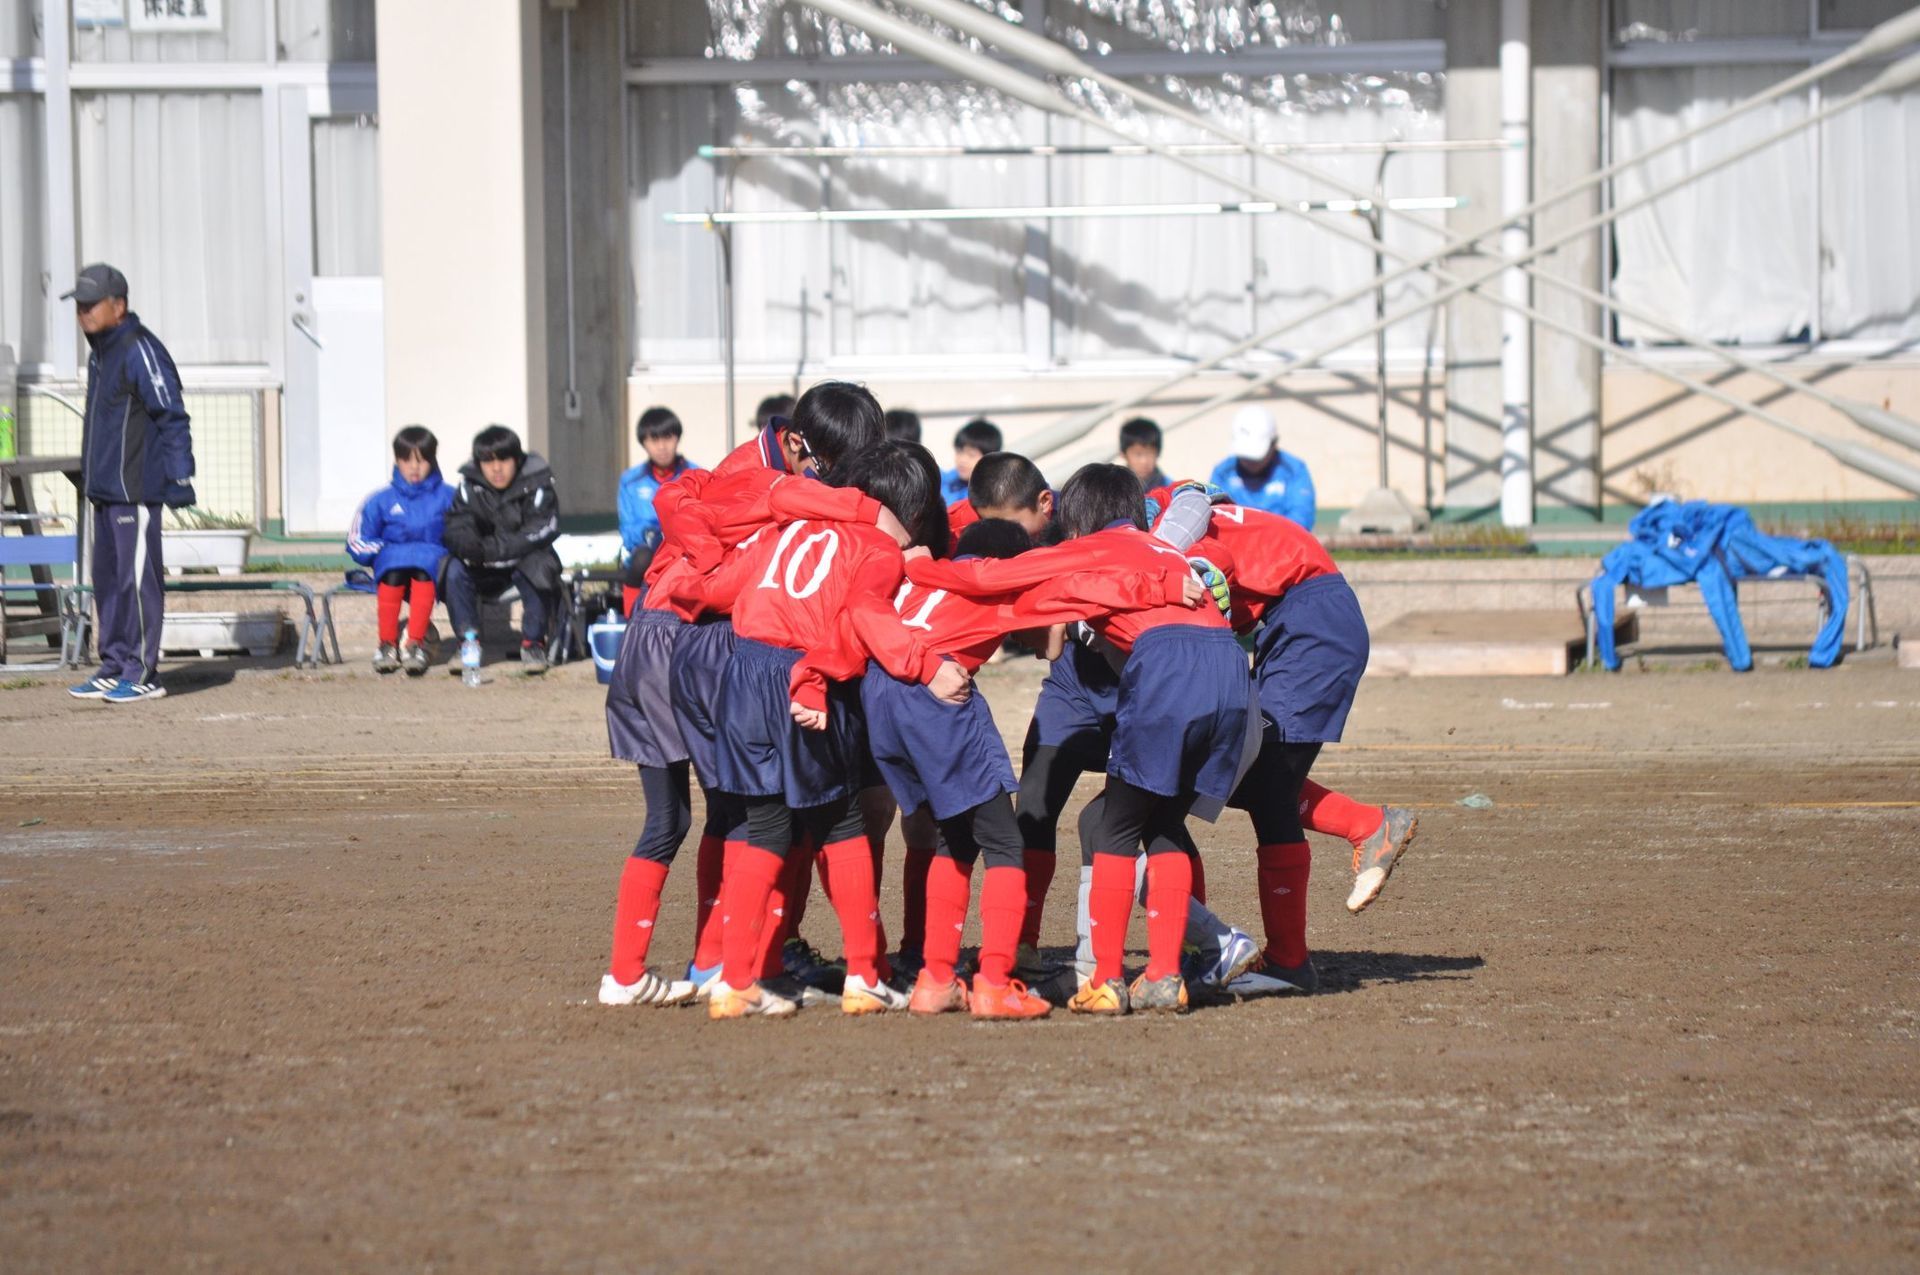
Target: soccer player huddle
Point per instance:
(806, 647)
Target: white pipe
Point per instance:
(1057, 212)
(1042, 150)
(1516, 334)
(570, 404)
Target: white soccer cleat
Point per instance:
(650, 989)
(878, 997)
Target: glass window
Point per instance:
(326, 30)
(19, 28)
(1859, 15)
(23, 229)
(1224, 26)
(346, 196)
(667, 29)
(1730, 256)
(243, 38)
(1672, 21)
(172, 190)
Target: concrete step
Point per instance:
(1484, 643)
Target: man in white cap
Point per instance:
(1261, 476)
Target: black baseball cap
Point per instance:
(96, 283)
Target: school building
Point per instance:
(345, 216)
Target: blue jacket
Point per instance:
(1286, 490)
(137, 439)
(1714, 546)
(401, 526)
(952, 486)
(639, 525)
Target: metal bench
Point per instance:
(307, 654)
(1860, 581)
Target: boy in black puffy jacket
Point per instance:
(499, 534)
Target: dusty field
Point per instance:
(294, 972)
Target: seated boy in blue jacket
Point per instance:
(398, 533)
(659, 434)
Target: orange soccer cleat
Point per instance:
(1012, 1001)
(1100, 997)
(931, 997)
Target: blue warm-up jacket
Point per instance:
(1287, 488)
(639, 525)
(138, 438)
(401, 526)
(1715, 546)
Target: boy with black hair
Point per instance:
(977, 438)
(771, 406)
(1140, 440)
(661, 697)
(903, 425)
(399, 534)
(658, 433)
(499, 533)
(950, 761)
(810, 588)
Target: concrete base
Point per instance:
(1483, 643)
(1383, 511)
(1910, 655)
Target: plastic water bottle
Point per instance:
(470, 658)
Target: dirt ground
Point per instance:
(295, 973)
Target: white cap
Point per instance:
(1254, 433)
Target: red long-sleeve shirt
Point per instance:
(968, 630)
(823, 588)
(1262, 554)
(1117, 550)
(960, 515)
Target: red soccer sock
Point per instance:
(949, 886)
(752, 875)
(849, 882)
(1324, 810)
(386, 603)
(786, 905)
(1199, 879)
(1283, 901)
(1109, 908)
(913, 914)
(634, 911)
(1169, 886)
(419, 610)
(629, 598)
(1003, 907)
(1039, 875)
(706, 925)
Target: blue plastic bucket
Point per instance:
(604, 640)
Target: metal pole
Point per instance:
(1516, 335)
(1376, 218)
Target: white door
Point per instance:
(336, 437)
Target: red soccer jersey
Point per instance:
(960, 515)
(1115, 551)
(1262, 554)
(824, 588)
(969, 630)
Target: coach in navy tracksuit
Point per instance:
(137, 449)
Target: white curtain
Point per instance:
(1729, 257)
(23, 230)
(171, 190)
(1870, 195)
(346, 196)
(930, 288)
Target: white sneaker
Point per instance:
(877, 997)
(650, 989)
(756, 1000)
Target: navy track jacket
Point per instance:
(138, 441)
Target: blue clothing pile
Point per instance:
(1715, 547)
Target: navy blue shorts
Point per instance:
(928, 750)
(763, 752)
(1184, 708)
(1078, 701)
(1308, 656)
(640, 722)
(699, 662)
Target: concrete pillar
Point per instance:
(462, 218)
(1473, 324)
(1567, 48)
(589, 431)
